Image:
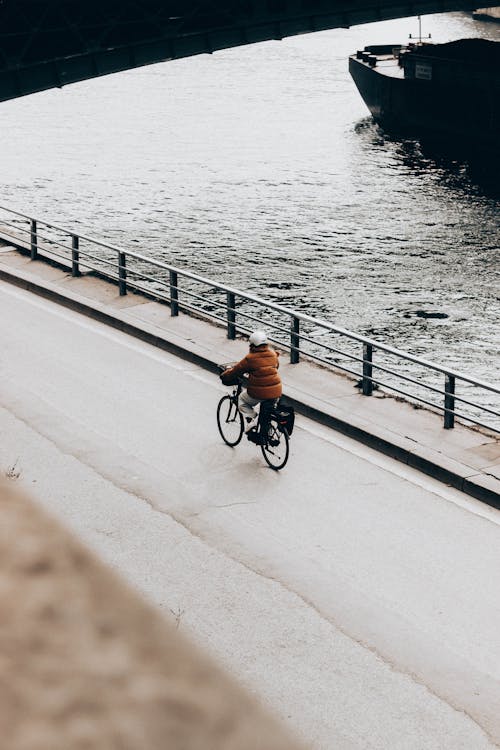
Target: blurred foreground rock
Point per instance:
(86, 664)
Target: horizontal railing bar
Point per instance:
(326, 361)
(269, 324)
(249, 316)
(182, 305)
(335, 365)
(43, 250)
(10, 211)
(412, 396)
(302, 337)
(50, 241)
(47, 253)
(407, 378)
(439, 391)
(184, 291)
(13, 240)
(197, 296)
(474, 405)
(47, 240)
(285, 345)
(56, 226)
(4, 233)
(133, 272)
(202, 313)
(476, 423)
(151, 292)
(25, 230)
(139, 287)
(84, 253)
(98, 258)
(38, 234)
(438, 407)
(270, 305)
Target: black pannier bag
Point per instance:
(285, 416)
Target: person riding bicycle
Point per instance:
(264, 383)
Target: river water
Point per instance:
(260, 168)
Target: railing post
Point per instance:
(367, 369)
(34, 240)
(449, 401)
(231, 316)
(122, 273)
(174, 294)
(75, 255)
(295, 341)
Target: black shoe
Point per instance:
(254, 436)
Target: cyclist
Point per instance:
(261, 363)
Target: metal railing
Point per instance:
(431, 385)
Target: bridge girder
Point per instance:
(51, 43)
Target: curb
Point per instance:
(463, 478)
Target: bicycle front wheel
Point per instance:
(229, 421)
(274, 446)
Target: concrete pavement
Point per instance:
(356, 595)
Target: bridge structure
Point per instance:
(51, 43)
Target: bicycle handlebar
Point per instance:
(239, 380)
(221, 368)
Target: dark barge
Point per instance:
(442, 92)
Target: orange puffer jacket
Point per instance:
(261, 364)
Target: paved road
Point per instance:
(359, 598)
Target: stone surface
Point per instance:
(86, 663)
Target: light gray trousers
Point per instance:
(246, 404)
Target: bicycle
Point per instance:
(271, 432)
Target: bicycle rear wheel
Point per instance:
(229, 421)
(274, 446)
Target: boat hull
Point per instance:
(467, 114)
